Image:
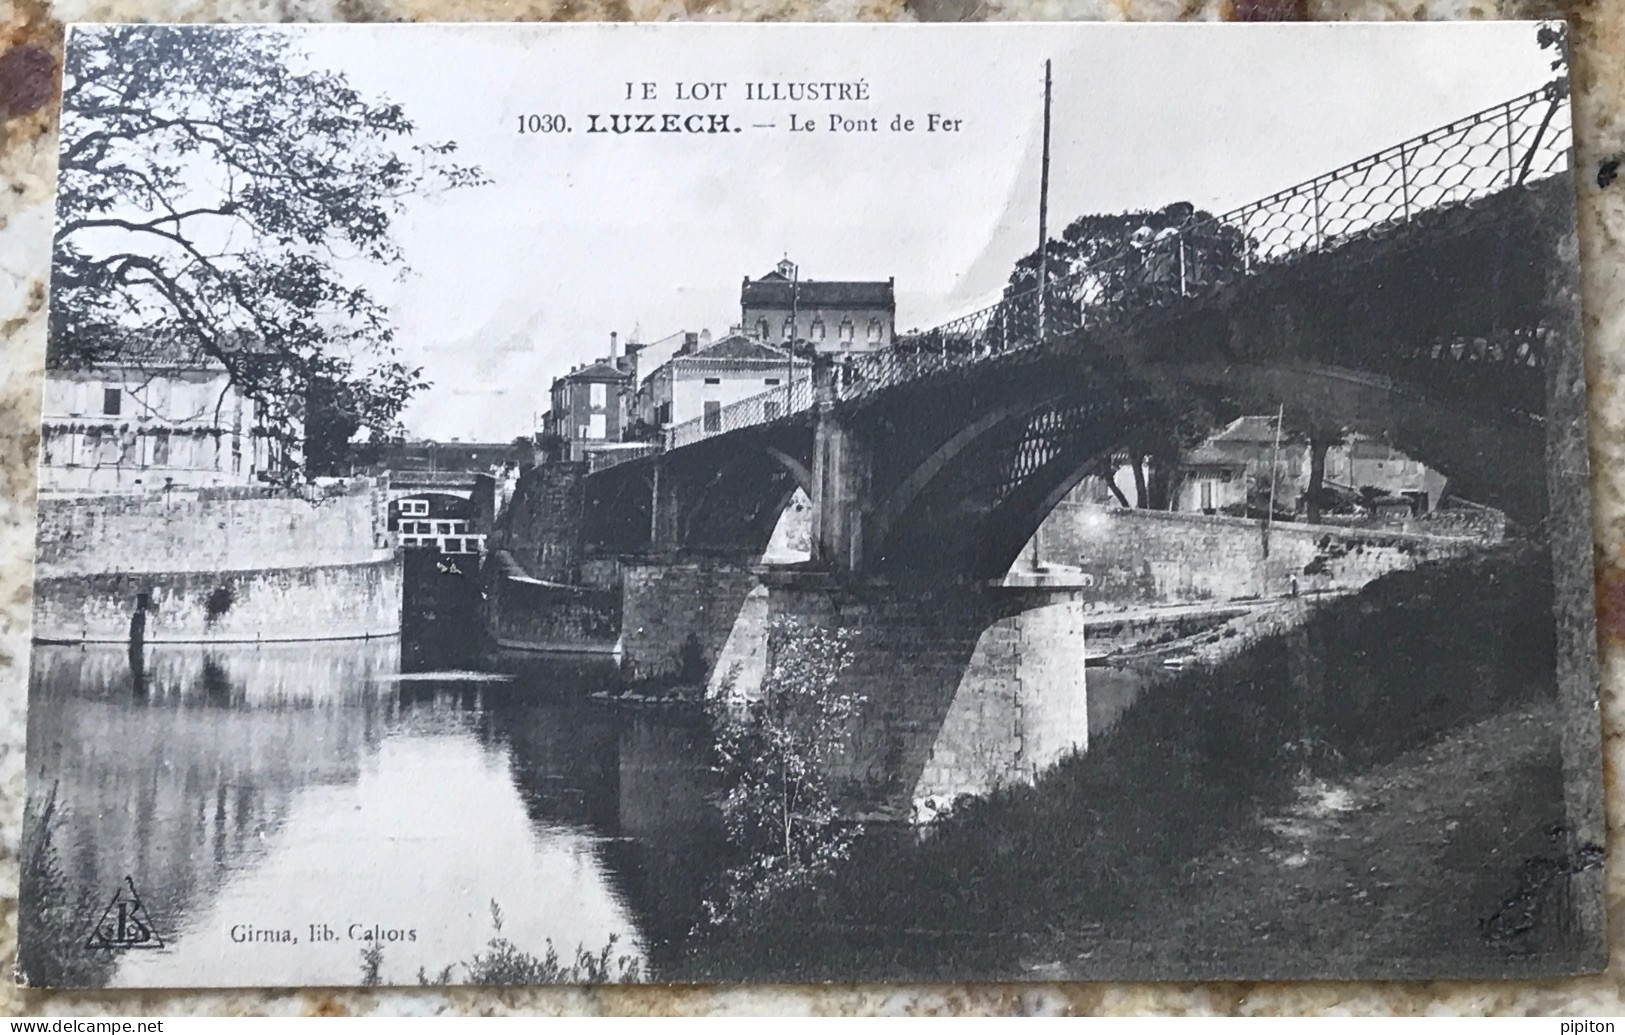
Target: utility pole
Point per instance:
(790, 347)
(1043, 214)
(1275, 472)
(1043, 260)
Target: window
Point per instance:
(770, 381)
(713, 380)
(789, 329)
(51, 448)
(160, 449)
(875, 331)
(598, 426)
(816, 332)
(713, 415)
(1207, 494)
(770, 409)
(846, 331)
(112, 401)
(415, 508)
(596, 394)
(442, 527)
(663, 414)
(762, 329)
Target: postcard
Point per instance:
(755, 503)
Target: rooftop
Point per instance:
(775, 291)
(598, 370)
(737, 347)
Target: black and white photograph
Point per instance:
(695, 503)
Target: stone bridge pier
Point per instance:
(965, 687)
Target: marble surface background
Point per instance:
(30, 45)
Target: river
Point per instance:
(279, 809)
(313, 793)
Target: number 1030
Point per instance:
(543, 124)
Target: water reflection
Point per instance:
(273, 805)
(306, 789)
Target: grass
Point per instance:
(1362, 680)
(54, 918)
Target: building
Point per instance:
(1362, 464)
(173, 418)
(831, 315)
(589, 406)
(702, 379)
(1230, 472)
(647, 357)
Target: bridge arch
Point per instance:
(966, 510)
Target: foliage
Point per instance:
(1155, 447)
(1109, 840)
(332, 426)
(776, 753)
(552, 445)
(53, 921)
(1131, 260)
(504, 963)
(641, 430)
(372, 960)
(222, 203)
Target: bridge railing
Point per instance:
(426, 479)
(1505, 145)
(604, 459)
(756, 409)
(1514, 142)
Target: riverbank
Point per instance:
(1352, 871)
(1166, 850)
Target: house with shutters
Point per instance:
(704, 377)
(833, 316)
(589, 406)
(167, 417)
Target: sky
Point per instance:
(581, 234)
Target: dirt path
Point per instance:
(1439, 863)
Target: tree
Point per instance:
(222, 202)
(1130, 260)
(777, 753)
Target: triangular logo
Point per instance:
(125, 924)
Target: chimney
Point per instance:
(612, 352)
(691, 341)
(705, 335)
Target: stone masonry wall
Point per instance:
(309, 603)
(207, 530)
(673, 609)
(964, 690)
(541, 527)
(1142, 557)
(525, 614)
